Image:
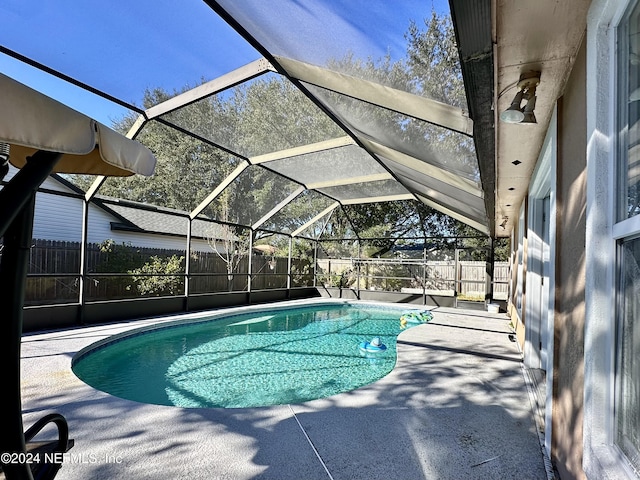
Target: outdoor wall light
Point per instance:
(526, 91)
(514, 114)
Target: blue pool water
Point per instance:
(280, 356)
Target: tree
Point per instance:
(432, 59)
(231, 244)
(269, 114)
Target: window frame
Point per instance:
(606, 230)
(625, 228)
(620, 316)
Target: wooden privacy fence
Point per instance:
(54, 273)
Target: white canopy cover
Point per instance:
(31, 121)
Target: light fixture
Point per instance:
(526, 91)
(514, 114)
(529, 116)
(505, 219)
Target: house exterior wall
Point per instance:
(59, 217)
(517, 295)
(562, 355)
(570, 264)
(584, 396)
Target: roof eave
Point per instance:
(472, 25)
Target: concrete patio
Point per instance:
(456, 406)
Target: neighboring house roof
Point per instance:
(145, 218)
(142, 217)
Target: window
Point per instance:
(629, 114)
(628, 395)
(612, 246)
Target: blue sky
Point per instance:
(123, 47)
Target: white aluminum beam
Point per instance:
(315, 219)
(278, 207)
(93, 188)
(351, 180)
(239, 75)
(466, 220)
(383, 198)
(416, 106)
(303, 150)
(218, 190)
(425, 168)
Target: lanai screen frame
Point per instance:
(443, 190)
(449, 117)
(397, 165)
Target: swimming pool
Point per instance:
(263, 357)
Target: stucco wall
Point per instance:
(569, 316)
(518, 257)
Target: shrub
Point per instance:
(169, 280)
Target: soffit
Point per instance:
(530, 36)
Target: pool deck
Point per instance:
(456, 406)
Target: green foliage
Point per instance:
(432, 58)
(117, 258)
(502, 249)
(346, 279)
(137, 269)
(168, 282)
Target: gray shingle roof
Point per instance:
(151, 219)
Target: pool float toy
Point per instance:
(416, 316)
(374, 346)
